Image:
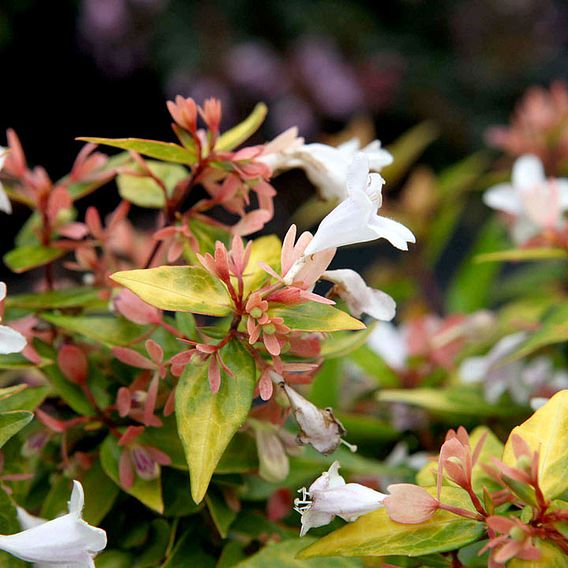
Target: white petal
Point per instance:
(77, 500)
(349, 501)
(358, 174)
(378, 157)
(28, 521)
(347, 224)
(328, 479)
(3, 291)
(562, 193)
(523, 230)
(313, 519)
(528, 171)
(503, 197)
(390, 345)
(11, 341)
(5, 204)
(396, 233)
(382, 307)
(3, 156)
(473, 369)
(350, 147)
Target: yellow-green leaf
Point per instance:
(25, 258)
(148, 492)
(519, 255)
(554, 329)
(550, 557)
(546, 431)
(145, 191)
(178, 288)
(313, 316)
(264, 249)
(67, 298)
(241, 132)
(12, 422)
(166, 151)
(283, 555)
(207, 422)
(376, 535)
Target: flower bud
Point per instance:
(410, 504)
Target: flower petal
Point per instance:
(503, 197)
(11, 341)
(528, 171)
(396, 233)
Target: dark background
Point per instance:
(106, 67)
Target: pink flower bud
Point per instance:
(409, 504)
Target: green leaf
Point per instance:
(155, 546)
(206, 421)
(454, 401)
(15, 361)
(284, 555)
(471, 286)
(27, 399)
(265, 249)
(166, 438)
(313, 316)
(520, 255)
(12, 422)
(207, 235)
(241, 132)
(165, 151)
(111, 331)
(9, 524)
(407, 149)
(178, 288)
(325, 388)
(554, 329)
(546, 431)
(114, 559)
(239, 457)
(55, 299)
(146, 192)
(188, 551)
(222, 515)
(342, 343)
(25, 258)
(55, 502)
(100, 494)
(376, 535)
(148, 492)
(375, 367)
(362, 428)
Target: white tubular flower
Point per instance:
(329, 496)
(11, 341)
(359, 297)
(355, 220)
(5, 204)
(67, 541)
(490, 371)
(325, 166)
(536, 203)
(391, 344)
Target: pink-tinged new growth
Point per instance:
(136, 310)
(138, 459)
(259, 323)
(73, 363)
(184, 112)
(516, 540)
(410, 504)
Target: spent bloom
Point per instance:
(325, 166)
(535, 202)
(318, 427)
(355, 219)
(67, 541)
(359, 297)
(329, 496)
